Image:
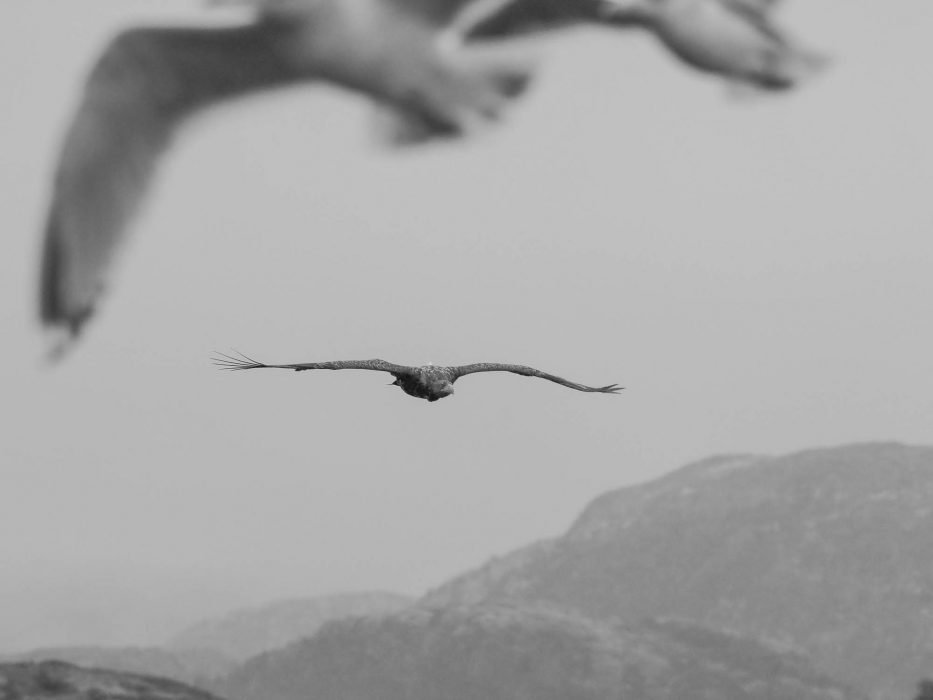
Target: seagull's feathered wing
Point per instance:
(736, 39)
(487, 19)
(145, 83)
(462, 370)
(243, 362)
(149, 80)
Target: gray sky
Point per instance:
(757, 273)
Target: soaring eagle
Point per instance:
(429, 382)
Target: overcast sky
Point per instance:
(756, 273)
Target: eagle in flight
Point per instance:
(431, 382)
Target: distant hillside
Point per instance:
(52, 679)
(194, 666)
(244, 633)
(507, 653)
(830, 551)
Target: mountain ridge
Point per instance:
(248, 631)
(828, 550)
(511, 652)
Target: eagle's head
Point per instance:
(440, 389)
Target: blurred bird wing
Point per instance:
(528, 372)
(146, 81)
(225, 361)
(758, 14)
(485, 19)
(437, 13)
(759, 7)
(105, 165)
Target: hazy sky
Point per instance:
(757, 273)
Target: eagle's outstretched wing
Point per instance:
(225, 361)
(529, 372)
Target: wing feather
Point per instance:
(529, 372)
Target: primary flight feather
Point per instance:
(431, 382)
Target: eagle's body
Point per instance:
(430, 382)
(427, 382)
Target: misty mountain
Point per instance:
(54, 679)
(244, 633)
(212, 648)
(186, 665)
(506, 653)
(829, 551)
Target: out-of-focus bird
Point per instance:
(150, 80)
(429, 382)
(436, 67)
(736, 39)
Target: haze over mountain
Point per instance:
(211, 648)
(54, 679)
(244, 633)
(511, 653)
(829, 551)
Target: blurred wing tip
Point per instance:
(58, 341)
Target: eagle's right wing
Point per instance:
(225, 361)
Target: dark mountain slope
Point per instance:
(509, 653)
(830, 551)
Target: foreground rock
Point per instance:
(55, 679)
(192, 666)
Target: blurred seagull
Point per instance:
(149, 81)
(431, 382)
(437, 67)
(736, 39)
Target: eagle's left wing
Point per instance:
(462, 370)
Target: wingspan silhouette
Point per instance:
(431, 382)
